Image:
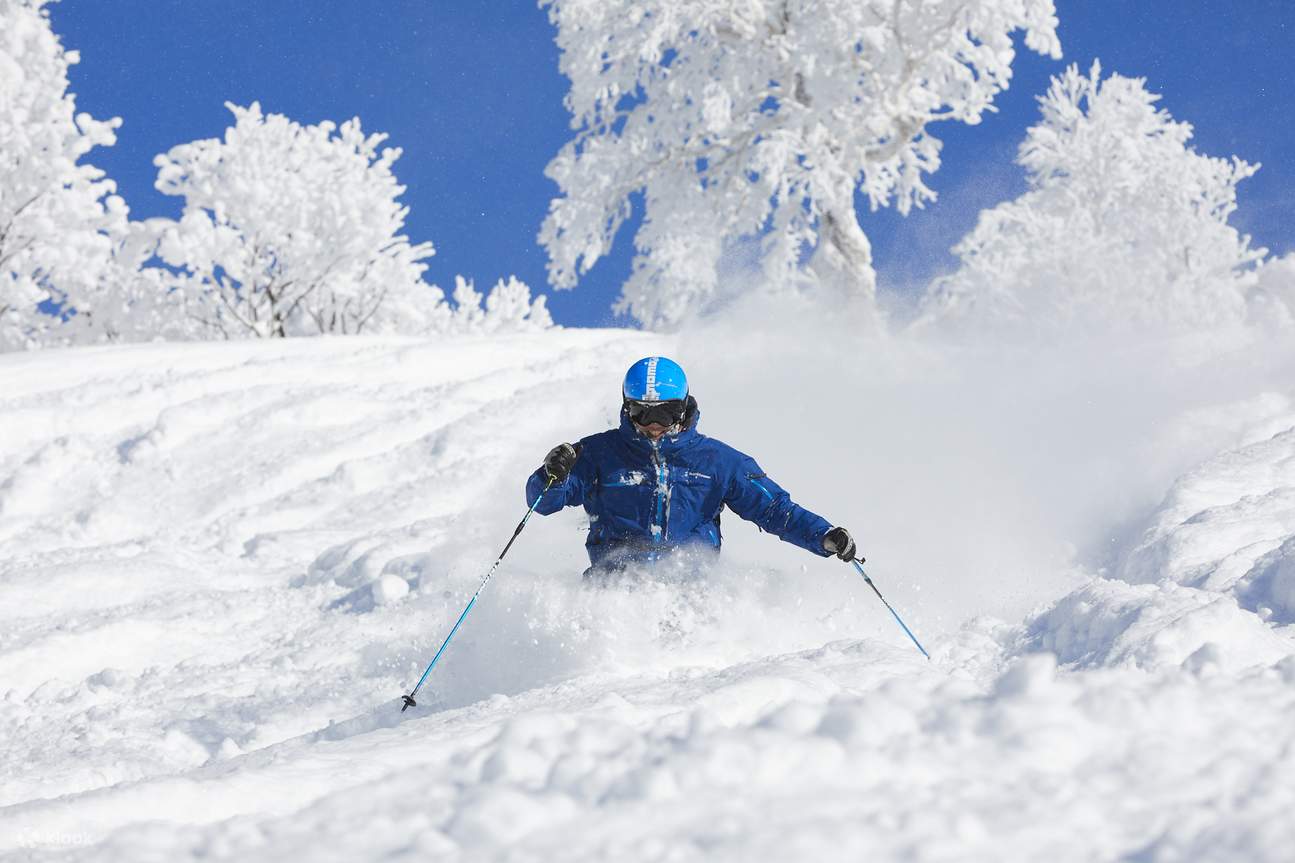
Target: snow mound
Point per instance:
(1220, 518)
(1208, 584)
(1268, 588)
(1113, 624)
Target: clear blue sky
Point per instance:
(471, 92)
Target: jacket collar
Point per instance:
(688, 434)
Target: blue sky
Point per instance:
(471, 92)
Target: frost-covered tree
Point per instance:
(507, 308)
(136, 300)
(58, 218)
(761, 118)
(289, 229)
(1124, 224)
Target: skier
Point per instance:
(656, 485)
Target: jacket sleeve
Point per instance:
(756, 498)
(570, 492)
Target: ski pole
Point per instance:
(858, 564)
(409, 699)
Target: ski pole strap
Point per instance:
(859, 566)
(409, 699)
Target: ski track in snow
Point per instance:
(220, 565)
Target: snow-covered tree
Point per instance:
(289, 229)
(136, 300)
(761, 118)
(507, 308)
(58, 218)
(1124, 224)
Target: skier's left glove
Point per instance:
(838, 541)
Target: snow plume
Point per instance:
(1272, 300)
(1032, 463)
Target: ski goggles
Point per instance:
(666, 413)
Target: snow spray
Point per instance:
(858, 564)
(409, 699)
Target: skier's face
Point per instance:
(652, 430)
(655, 418)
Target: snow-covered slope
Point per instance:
(220, 566)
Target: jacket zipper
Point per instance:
(662, 490)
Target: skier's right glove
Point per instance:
(838, 541)
(559, 461)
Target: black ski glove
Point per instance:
(559, 461)
(838, 541)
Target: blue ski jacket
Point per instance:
(645, 498)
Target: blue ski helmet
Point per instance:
(655, 379)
